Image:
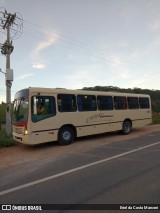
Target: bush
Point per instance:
(6, 141)
(156, 118)
(2, 113)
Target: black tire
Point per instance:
(66, 135)
(127, 126)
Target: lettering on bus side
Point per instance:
(99, 117)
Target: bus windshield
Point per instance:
(20, 110)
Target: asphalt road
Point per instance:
(120, 172)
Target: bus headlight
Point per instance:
(25, 131)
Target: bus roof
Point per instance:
(79, 91)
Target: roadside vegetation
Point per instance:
(6, 141)
(155, 99)
(156, 118)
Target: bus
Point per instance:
(44, 114)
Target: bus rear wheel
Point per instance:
(127, 126)
(66, 135)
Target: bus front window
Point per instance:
(20, 110)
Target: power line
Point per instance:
(72, 43)
(83, 48)
(79, 46)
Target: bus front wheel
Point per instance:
(66, 135)
(127, 126)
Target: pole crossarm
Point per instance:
(7, 22)
(8, 19)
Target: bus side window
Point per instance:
(43, 107)
(66, 103)
(133, 103)
(105, 102)
(86, 103)
(144, 103)
(120, 102)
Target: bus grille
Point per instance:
(18, 130)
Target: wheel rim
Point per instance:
(127, 128)
(66, 136)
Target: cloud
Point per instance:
(38, 66)
(119, 67)
(78, 79)
(116, 60)
(154, 25)
(43, 45)
(122, 43)
(50, 38)
(24, 76)
(83, 76)
(155, 43)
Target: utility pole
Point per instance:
(9, 20)
(7, 49)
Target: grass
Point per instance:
(156, 117)
(2, 113)
(6, 141)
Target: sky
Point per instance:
(74, 44)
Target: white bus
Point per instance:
(41, 114)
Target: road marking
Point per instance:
(74, 170)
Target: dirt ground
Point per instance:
(25, 153)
